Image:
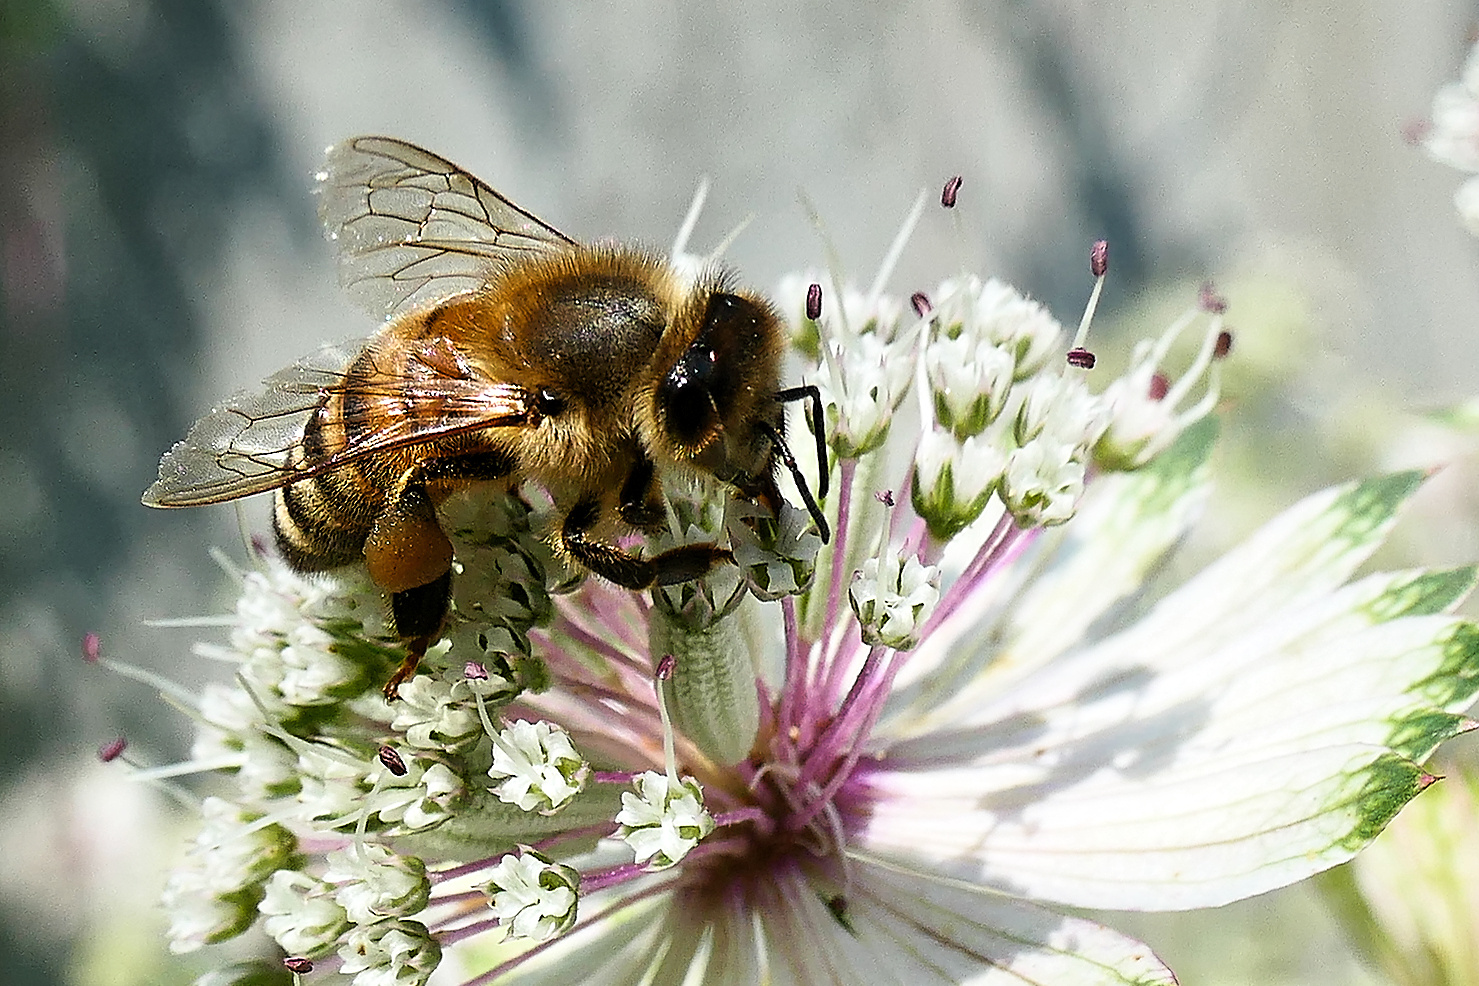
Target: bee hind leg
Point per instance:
(682, 564)
(407, 555)
(418, 613)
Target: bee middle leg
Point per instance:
(682, 564)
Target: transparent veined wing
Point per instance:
(413, 229)
(250, 443)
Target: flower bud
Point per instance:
(893, 599)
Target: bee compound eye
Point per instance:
(686, 399)
(548, 403)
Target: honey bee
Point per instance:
(510, 353)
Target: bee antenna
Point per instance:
(818, 427)
(800, 481)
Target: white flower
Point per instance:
(969, 380)
(1453, 135)
(778, 555)
(213, 896)
(436, 714)
(311, 670)
(993, 311)
(955, 728)
(1145, 410)
(664, 820)
(374, 883)
(391, 953)
(533, 897)
(954, 479)
(867, 367)
(1059, 410)
(893, 599)
(1042, 483)
(301, 914)
(536, 767)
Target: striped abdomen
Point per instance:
(322, 522)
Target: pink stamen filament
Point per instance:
(601, 879)
(759, 816)
(835, 589)
(839, 733)
(795, 686)
(622, 777)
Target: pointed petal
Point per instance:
(923, 930)
(1129, 777)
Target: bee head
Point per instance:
(714, 403)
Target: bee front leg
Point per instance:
(631, 571)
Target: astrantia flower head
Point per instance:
(889, 759)
(1452, 136)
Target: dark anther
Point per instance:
(665, 667)
(92, 648)
(814, 302)
(112, 750)
(885, 497)
(1099, 258)
(1222, 346)
(1081, 358)
(952, 189)
(921, 303)
(1159, 387)
(298, 964)
(392, 761)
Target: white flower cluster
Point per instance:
(1000, 415)
(535, 767)
(298, 641)
(474, 761)
(532, 896)
(1453, 136)
(1000, 424)
(213, 896)
(867, 363)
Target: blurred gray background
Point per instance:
(159, 249)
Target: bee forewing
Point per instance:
(242, 446)
(413, 229)
(246, 445)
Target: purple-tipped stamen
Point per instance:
(950, 192)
